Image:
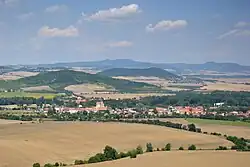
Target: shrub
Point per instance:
(181, 148)
(102, 157)
(36, 165)
(198, 130)
(139, 150)
(205, 133)
(48, 165)
(149, 147)
(123, 155)
(56, 164)
(132, 154)
(168, 147)
(158, 149)
(78, 162)
(94, 159)
(192, 147)
(221, 148)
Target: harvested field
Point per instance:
(88, 88)
(123, 95)
(4, 122)
(22, 145)
(184, 158)
(234, 80)
(223, 127)
(225, 87)
(165, 84)
(38, 88)
(17, 75)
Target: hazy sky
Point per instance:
(190, 31)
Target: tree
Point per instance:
(181, 148)
(139, 150)
(192, 127)
(192, 147)
(36, 165)
(110, 153)
(168, 147)
(149, 147)
(79, 162)
(132, 154)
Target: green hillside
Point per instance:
(58, 80)
(147, 72)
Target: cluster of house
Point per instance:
(159, 111)
(99, 107)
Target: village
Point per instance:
(168, 111)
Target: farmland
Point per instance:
(180, 159)
(123, 95)
(27, 94)
(67, 141)
(241, 129)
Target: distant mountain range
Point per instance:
(58, 80)
(179, 68)
(147, 72)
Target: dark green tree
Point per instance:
(192, 147)
(181, 148)
(110, 153)
(149, 147)
(168, 147)
(36, 165)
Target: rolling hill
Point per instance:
(128, 63)
(58, 80)
(147, 72)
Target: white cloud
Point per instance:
(25, 16)
(167, 25)
(119, 44)
(242, 24)
(235, 32)
(70, 31)
(243, 33)
(56, 8)
(114, 14)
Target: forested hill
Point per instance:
(147, 72)
(58, 80)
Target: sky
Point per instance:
(164, 31)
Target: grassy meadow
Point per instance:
(27, 94)
(218, 122)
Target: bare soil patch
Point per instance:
(38, 88)
(22, 145)
(17, 75)
(88, 88)
(226, 87)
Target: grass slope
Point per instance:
(149, 72)
(58, 80)
(218, 122)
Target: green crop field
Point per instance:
(27, 94)
(217, 122)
